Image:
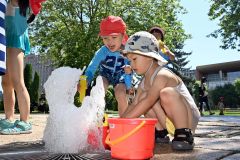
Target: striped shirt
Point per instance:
(3, 4)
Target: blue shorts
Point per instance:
(22, 42)
(113, 78)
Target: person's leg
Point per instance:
(201, 106)
(175, 108)
(160, 128)
(15, 71)
(179, 112)
(9, 103)
(207, 105)
(8, 99)
(157, 112)
(121, 97)
(8, 95)
(161, 132)
(105, 83)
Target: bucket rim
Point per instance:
(131, 120)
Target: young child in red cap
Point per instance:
(109, 61)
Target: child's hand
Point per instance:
(127, 69)
(131, 91)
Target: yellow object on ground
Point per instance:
(83, 85)
(105, 121)
(170, 127)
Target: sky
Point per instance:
(204, 50)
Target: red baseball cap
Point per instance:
(36, 6)
(113, 25)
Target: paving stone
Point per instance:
(216, 138)
(232, 157)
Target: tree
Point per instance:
(178, 65)
(34, 91)
(111, 102)
(228, 92)
(195, 91)
(237, 86)
(28, 76)
(228, 14)
(67, 30)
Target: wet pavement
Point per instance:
(216, 138)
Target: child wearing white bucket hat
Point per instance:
(161, 94)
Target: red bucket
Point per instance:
(92, 138)
(131, 138)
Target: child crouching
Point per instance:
(161, 93)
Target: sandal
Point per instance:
(161, 136)
(20, 127)
(5, 123)
(183, 139)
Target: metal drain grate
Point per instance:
(94, 156)
(77, 157)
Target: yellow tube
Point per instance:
(105, 122)
(83, 87)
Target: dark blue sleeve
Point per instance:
(126, 61)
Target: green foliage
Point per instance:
(178, 65)
(228, 14)
(111, 102)
(237, 86)
(193, 88)
(67, 30)
(228, 92)
(28, 76)
(1, 105)
(43, 106)
(34, 92)
(32, 86)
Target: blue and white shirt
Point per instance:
(111, 61)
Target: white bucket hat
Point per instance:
(146, 44)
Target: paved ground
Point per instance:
(217, 138)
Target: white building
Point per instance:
(219, 74)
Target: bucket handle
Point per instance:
(120, 139)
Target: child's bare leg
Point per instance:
(176, 108)
(160, 128)
(160, 124)
(160, 131)
(8, 97)
(105, 84)
(121, 97)
(15, 70)
(157, 112)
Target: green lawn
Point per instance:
(226, 112)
